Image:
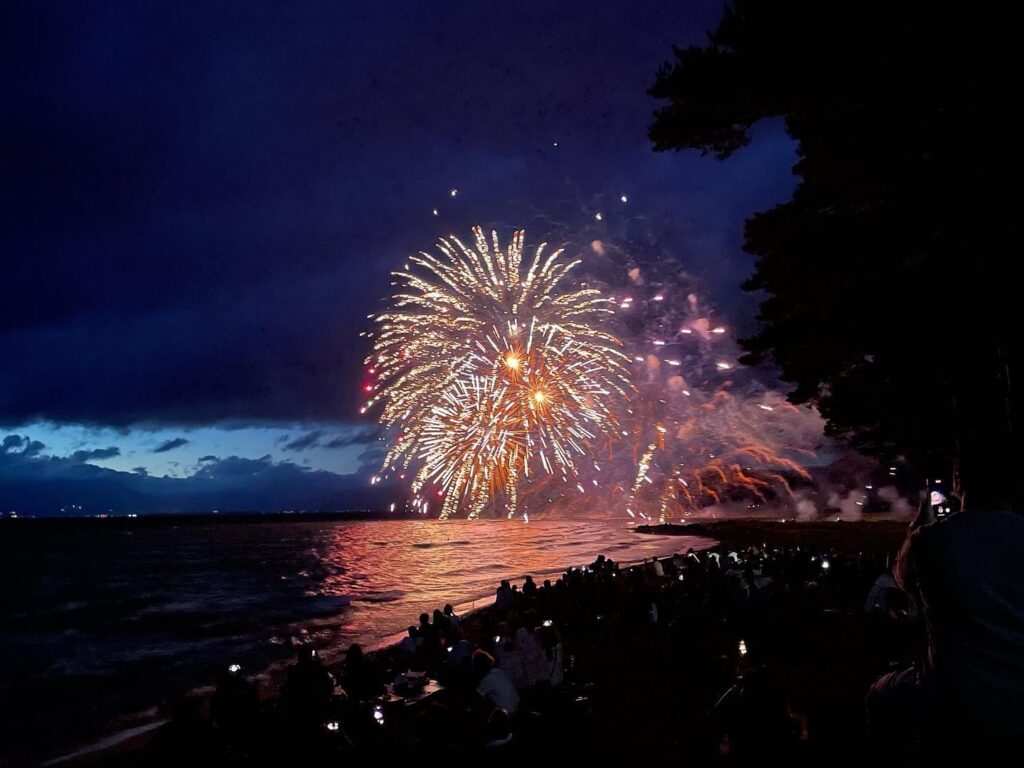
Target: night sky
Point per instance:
(202, 204)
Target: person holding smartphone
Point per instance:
(967, 572)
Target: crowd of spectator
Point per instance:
(742, 656)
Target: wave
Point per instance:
(378, 597)
(433, 544)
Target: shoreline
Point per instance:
(129, 740)
(850, 537)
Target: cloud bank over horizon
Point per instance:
(35, 483)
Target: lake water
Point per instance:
(102, 622)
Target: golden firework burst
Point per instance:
(490, 368)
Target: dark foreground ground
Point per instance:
(647, 657)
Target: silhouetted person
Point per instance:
(443, 628)
(968, 572)
(186, 740)
(453, 621)
(529, 587)
(877, 599)
(308, 690)
(427, 632)
(234, 706)
(503, 596)
(456, 667)
(431, 640)
(360, 677)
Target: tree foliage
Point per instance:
(890, 278)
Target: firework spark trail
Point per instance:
(699, 436)
(488, 373)
(700, 429)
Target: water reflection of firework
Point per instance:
(491, 369)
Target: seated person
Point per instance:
(499, 729)
(755, 716)
(494, 685)
(551, 660)
(510, 660)
(410, 645)
(531, 655)
(309, 688)
(360, 676)
(234, 706)
(456, 668)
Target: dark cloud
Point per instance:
(84, 455)
(22, 444)
(207, 209)
(308, 440)
(208, 457)
(141, 471)
(372, 455)
(41, 485)
(170, 445)
(355, 437)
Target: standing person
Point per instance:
(428, 631)
(529, 587)
(453, 621)
(430, 652)
(503, 596)
(443, 628)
